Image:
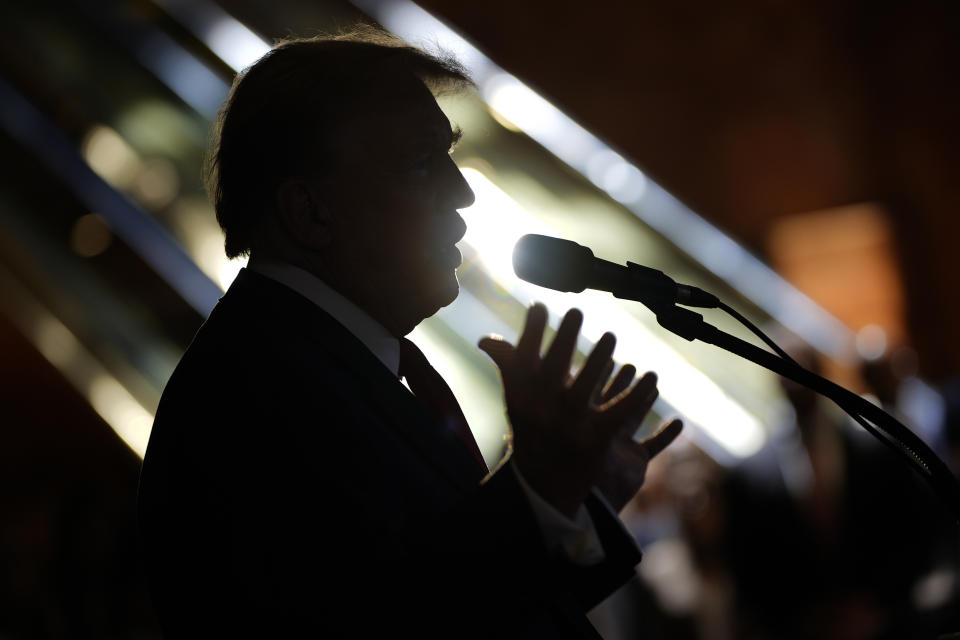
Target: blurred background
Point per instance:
(798, 159)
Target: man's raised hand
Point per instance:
(568, 432)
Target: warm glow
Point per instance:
(52, 339)
(90, 236)
(121, 411)
(110, 399)
(845, 259)
(157, 184)
(111, 158)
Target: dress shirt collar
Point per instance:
(371, 333)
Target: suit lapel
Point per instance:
(389, 398)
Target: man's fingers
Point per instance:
(620, 382)
(528, 347)
(556, 364)
(499, 350)
(659, 441)
(598, 391)
(635, 404)
(589, 375)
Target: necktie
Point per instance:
(433, 392)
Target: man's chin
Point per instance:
(428, 303)
(442, 297)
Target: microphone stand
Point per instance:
(691, 326)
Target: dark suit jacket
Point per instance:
(293, 485)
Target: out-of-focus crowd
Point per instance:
(824, 533)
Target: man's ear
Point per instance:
(303, 213)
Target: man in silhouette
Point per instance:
(293, 484)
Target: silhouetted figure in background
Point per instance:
(292, 484)
(830, 535)
(679, 518)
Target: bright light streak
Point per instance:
(121, 411)
(233, 42)
(621, 180)
(495, 222)
(415, 25)
(55, 342)
(110, 399)
(528, 111)
(228, 38)
(188, 77)
(521, 106)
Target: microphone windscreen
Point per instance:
(557, 264)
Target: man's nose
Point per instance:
(461, 194)
(468, 197)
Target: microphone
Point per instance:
(564, 265)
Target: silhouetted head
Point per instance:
(332, 154)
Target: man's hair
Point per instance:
(283, 113)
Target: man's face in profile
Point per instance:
(394, 200)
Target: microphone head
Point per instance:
(557, 264)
